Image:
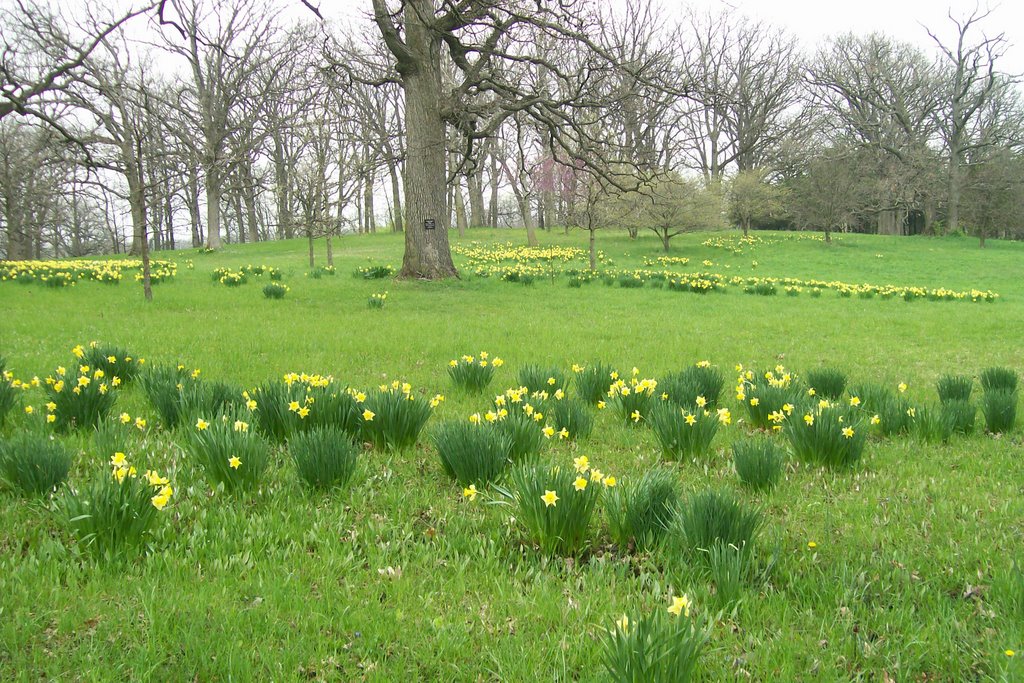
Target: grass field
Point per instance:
(398, 576)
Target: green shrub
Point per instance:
(828, 435)
(113, 361)
(164, 386)
(374, 272)
(114, 514)
(393, 417)
(473, 374)
(761, 288)
(630, 281)
(683, 433)
(932, 423)
(640, 509)
(555, 504)
(523, 434)
(281, 409)
(961, 414)
(658, 648)
(634, 401)
(472, 453)
(325, 457)
(571, 415)
(593, 381)
(536, 378)
(377, 300)
(230, 453)
(828, 383)
(758, 463)
(954, 388)
(769, 397)
(999, 406)
(33, 464)
(701, 380)
(714, 517)
(82, 401)
(992, 379)
(115, 435)
(893, 410)
(275, 290)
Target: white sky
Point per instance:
(812, 21)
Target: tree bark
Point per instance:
(460, 209)
(953, 199)
(213, 196)
(493, 222)
(396, 192)
(427, 252)
(592, 251)
(475, 186)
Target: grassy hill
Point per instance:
(910, 576)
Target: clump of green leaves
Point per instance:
(769, 394)
(524, 435)
(166, 387)
(657, 648)
(683, 433)
(893, 409)
(325, 457)
(701, 380)
(758, 462)
(828, 383)
(954, 388)
(472, 453)
(275, 290)
(634, 401)
(961, 414)
(714, 517)
(593, 381)
(33, 463)
(537, 378)
(640, 509)
(932, 424)
(230, 453)
(82, 400)
(999, 406)
(114, 361)
(473, 373)
(571, 415)
(555, 504)
(114, 514)
(999, 379)
(827, 435)
(393, 417)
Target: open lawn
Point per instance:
(909, 574)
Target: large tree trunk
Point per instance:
(887, 223)
(427, 253)
(475, 185)
(592, 251)
(192, 193)
(368, 214)
(953, 198)
(213, 195)
(493, 222)
(460, 209)
(282, 186)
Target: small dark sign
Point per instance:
(429, 224)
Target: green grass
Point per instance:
(399, 576)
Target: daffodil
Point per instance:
(680, 606)
(550, 498)
(118, 459)
(549, 431)
(609, 481)
(470, 492)
(368, 415)
(855, 401)
(848, 432)
(581, 464)
(623, 624)
(202, 424)
(234, 462)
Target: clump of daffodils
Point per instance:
(474, 373)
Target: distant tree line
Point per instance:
(211, 121)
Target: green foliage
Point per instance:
(992, 379)
(473, 374)
(114, 361)
(572, 415)
(114, 514)
(999, 406)
(325, 457)
(33, 464)
(933, 424)
(536, 378)
(275, 290)
(709, 518)
(656, 648)
(377, 300)
(954, 388)
(561, 525)
(230, 453)
(392, 419)
(634, 401)
(758, 463)
(767, 395)
(893, 410)
(524, 435)
(683, 388)
(371, 272)
(472, 453)
(828, 383)
(961, 415)
(283, 408)
(639, 510)
(1008, 588)
(163, 385)
(82, 401)
(761, 287)
(593, 381)
(684, 433)
(729, 568)
(115, 435)
(827, 435)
